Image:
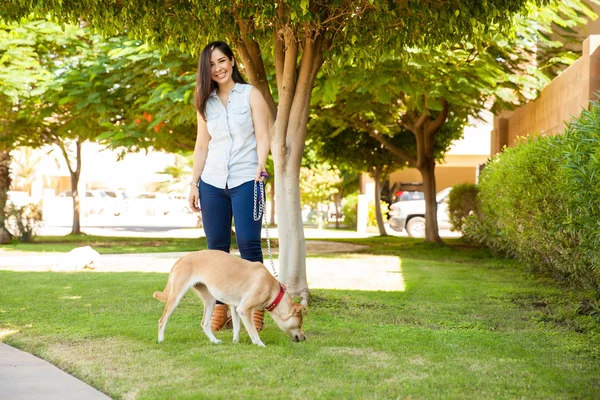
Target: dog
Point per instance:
(245, 286)
(78, 259)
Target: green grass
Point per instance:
(467, 325)
(107, 244)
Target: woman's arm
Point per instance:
(200, 152)
(260, 118)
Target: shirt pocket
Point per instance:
(212, 122)
(242, 117)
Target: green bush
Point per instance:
(23, 222)
(462, 202)
(350, 210)
(373, 217)
(540, 202)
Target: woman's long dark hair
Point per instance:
(204, 83)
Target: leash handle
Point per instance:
(259, 213)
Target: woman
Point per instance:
(232, 146)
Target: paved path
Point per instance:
(358, 272)
(24, 376)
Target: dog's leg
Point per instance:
(235, 319)
(172, 303)
(246, 314)
(179, 286)
(209, 306)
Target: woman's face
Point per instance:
(221, 67)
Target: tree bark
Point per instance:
(424, 129)
(272, 195)
(378, 214)
(5, 158)
(337, 200)
(431, 224)
(75, 175)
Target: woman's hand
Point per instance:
(259, 170)
(194, 198)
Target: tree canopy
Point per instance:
(299, 36)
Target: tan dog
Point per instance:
(245, 286)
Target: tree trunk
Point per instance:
(431, 226)
(288, 132)
(378, 214)
(337, 200)
(75, 175)
(5, 236)
(272, 195)
(292, 250)
(76, 227)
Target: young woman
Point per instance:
(231, 150)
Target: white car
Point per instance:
(409, 215)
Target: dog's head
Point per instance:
(290, 320)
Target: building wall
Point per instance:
(559, 102)
(445, 176)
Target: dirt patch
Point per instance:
(322, 246)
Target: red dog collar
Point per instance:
(278, 299)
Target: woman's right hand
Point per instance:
(194, 198)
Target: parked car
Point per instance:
(150, 203)
(409, 215)
(179, 203)
(91, 203)
(114, 201)
(400, 195)
(97, 201)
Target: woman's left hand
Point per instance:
(260, 169)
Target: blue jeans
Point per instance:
(219, 206)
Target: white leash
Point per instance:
(258, 213)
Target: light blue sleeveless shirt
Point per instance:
(232, 158)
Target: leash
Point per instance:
(259, 213)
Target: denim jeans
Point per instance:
(219, 206)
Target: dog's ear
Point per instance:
(299, 309)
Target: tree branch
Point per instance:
(432, 127)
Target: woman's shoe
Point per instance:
(259, 319)
(218, 320)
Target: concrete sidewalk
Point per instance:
(24, 376)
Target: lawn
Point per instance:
(107, 244)
(467, 325)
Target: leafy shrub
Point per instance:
(24, 222)
(373, 217)
(540, 201)
(462, 202)
(350, 210)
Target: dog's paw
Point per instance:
(217, 341)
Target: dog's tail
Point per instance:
(162, 296)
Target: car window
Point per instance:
(442, 194)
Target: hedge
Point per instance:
(540, 202)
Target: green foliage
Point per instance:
(24, 222)
(462, 202)
(540, 202)
(350, 210)
(371, 213)
(191, 24)
(318, 184)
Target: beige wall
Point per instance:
(453, 170)
(559, 102)
(445, 176)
